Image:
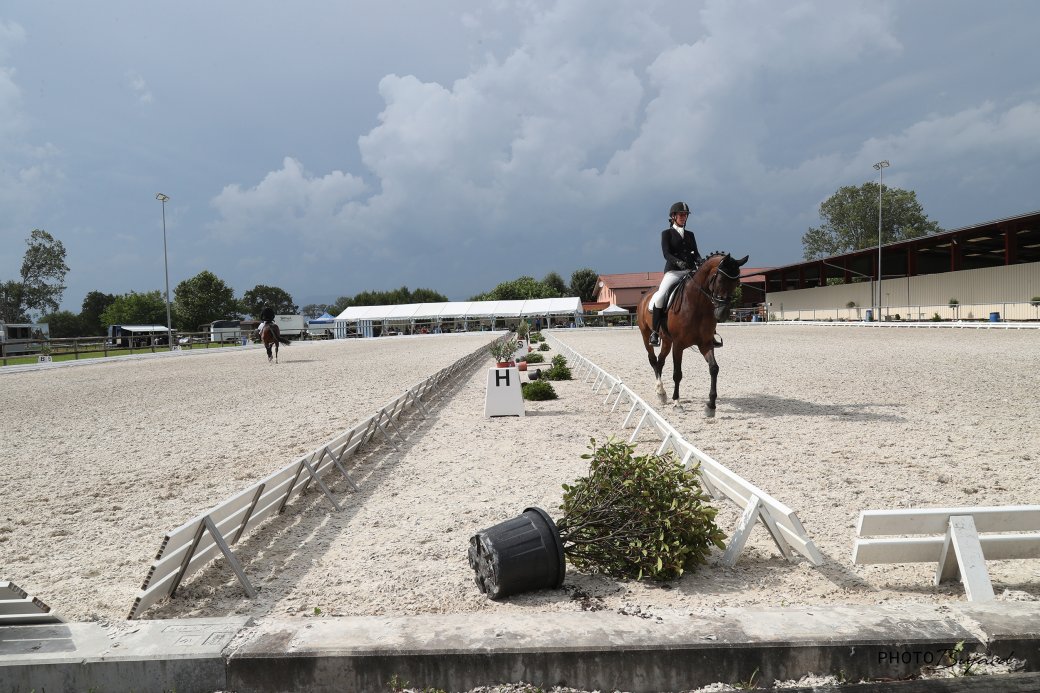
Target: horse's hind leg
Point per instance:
(276, 352)
(676, 374)
(270, 356)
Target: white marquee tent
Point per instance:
(465, 315)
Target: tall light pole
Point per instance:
(166, 263)
(880, 168)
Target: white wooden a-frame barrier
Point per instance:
(779, 520)
(191, 546)
(18, 608)
(958, 540)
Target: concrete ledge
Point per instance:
(584, 650)
(182, 655)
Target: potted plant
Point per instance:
(502, 351)
(630, 517)
(521, 363)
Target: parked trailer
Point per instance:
(291, 326)
(225, 331)
(138, 335)
(18, 338)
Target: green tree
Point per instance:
(585, 284)
(203, 299)
(313, 310)
(850, 220)
(63, 324)
(42, 279)
(393, 297)
(136, 309)
(12, 306)
(261, 295)
(94, 304)
(518, 289)
(556, 283)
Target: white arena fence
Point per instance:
(190, 547)
(955, 325)
(756, 505)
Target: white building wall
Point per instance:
(1004, 290)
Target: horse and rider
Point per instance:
(270, 334)
(693, 297)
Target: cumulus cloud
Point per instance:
(568, 130)
(289, 199)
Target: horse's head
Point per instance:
(720, 277)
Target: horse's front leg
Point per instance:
(713, 370)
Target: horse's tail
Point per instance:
(284, 340)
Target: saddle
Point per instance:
(675, 292)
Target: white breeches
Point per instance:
(669, 280)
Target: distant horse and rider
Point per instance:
(270, 334)
(694, 297)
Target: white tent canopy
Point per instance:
(613, 309)
(461, 311)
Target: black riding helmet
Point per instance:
(676, 208)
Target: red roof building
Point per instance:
(627, 290)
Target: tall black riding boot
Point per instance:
(655, 337)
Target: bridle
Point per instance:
(712, 287)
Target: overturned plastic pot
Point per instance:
(519, 555)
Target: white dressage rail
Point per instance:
(958, 540)
(191, 546)
(779, 520)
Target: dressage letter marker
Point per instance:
(503, 397)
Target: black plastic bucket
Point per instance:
(518, 555)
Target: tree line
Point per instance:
(206, 297)
(850, 222)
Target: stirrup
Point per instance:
(655, 339)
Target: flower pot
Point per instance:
(518, 555)
(521, 365)
(505, 364)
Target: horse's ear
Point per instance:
(742, 261)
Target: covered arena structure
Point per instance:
(982, 272)
(457, 316)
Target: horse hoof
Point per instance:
(709, 411)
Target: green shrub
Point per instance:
(543, 347)
(534, 357)
(538, 390)
(936, 317)
(559, 369)
(636, 517)
(536, 337)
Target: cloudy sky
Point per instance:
(334, 147)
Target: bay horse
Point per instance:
(271, 336)
(700, 301)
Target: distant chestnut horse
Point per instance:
(700, 302)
